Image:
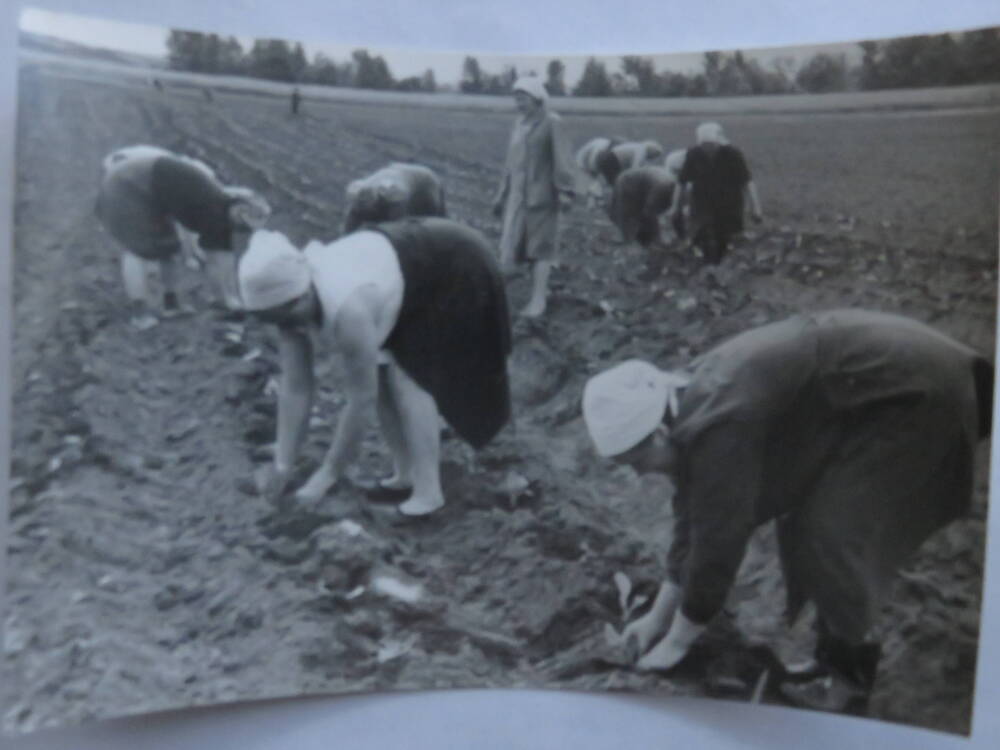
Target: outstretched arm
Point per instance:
(356, 338)
(295, 395)
(753, 200)
(716, 511)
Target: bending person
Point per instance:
(716, 179)
(150, 198)
(538, 184)
(418, 311)
(855, 429)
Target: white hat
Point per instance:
(272, 271)
(533, 86)
(710, 132)
(623, 405)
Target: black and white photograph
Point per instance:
(341, 369)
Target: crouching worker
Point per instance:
(418, 312)
(855, 430)
(640, 196)
(151, 198)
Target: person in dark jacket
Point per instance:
(153, 202)
(418, 311)
(716, 180)
(856, 430)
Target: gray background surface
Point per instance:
(511, 719)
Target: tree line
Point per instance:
(906, 62)
(278, 60)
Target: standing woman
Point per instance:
(417, 310)
(538, 184)
(148, 195)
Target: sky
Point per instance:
(447, 66)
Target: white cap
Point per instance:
(533, 86)
(272, 271)
(623, 405)
(710, 132)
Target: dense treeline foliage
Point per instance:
(929, 60)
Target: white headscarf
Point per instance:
(711, 132)
(623, 405)
(533, 87)
(272, 271)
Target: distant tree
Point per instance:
(698, 85)
(231, 56)
(298, 62)
(978, 56)
(712, 65)
(371, 72)
(733, 79)
(594, 81)
(501, 83)
(428, 82)
(674, 84)
(472, 76)
(410, 83)
(271, 59)
(642, 69)
(823, 73)
(554, 78)
(870, 73)
(919, 61)
(184, 50)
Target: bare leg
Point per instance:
(168, 276)
(540, 271)
(421, 431)
(392, 430)
(221, 267)
(135, 276)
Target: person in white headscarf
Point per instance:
(538, 183)
(417, 309)
(716, 180)
(856, 430)
(153, 201)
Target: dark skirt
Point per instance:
(453, 333)
(129, 215)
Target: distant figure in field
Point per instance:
(395, 191)
(296, 100)
(855, 431)
(207, 93)
(538, 184)
(158, 85)
(587, 159)
(625, 155)
(715, 180)
(641, 195)
(153, 202)
(417, 310)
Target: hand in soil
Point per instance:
(666, 654)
